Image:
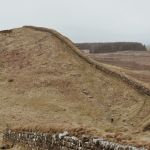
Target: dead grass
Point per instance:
(48, 83)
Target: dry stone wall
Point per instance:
(137, 86)
(61, 141)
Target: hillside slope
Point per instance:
(44, 82)
(135, 63)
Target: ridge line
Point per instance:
(130, 81)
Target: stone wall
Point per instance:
(60, 141)
(137, 86)
(111, 47)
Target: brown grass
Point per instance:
(49, 84)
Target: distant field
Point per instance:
(135, 64)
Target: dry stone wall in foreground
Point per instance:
(61, 141)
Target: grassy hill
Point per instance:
(43, 82)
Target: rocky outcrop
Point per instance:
(111, 47)
(61, 141)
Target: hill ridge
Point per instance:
(130, 81)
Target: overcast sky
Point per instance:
(82, 20)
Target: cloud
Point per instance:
(82, 20)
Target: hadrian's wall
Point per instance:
(133, 83)
(60, 141)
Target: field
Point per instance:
(133, 63)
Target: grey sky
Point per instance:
(82, 20)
